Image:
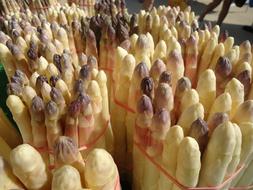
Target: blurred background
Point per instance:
(236, 18)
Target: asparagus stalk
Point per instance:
(7, 60)
(156, 70)
(71, 121)
(66, 177)
(21, 117)
(207, 55)
(140, 72)
(218, 52)
(66, 153)
(191, 58)
(100, 170)
(222, 103)
(217, 160)
(189, 98)
(121, 94)
(206, 89)
(188, 163)
(244, 112)
(54, 130)
(223, 71)
(171, 146)
(215, 120)
(28, 165)
(163, 97)
(143, 122)
(159, 128)
(236, 90)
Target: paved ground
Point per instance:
(234, 21)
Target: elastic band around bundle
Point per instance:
(181, 186)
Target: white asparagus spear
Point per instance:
(218, 52)
(66, 152)
(244, 112)
(223, 103)
(121, 94)
(109, 139)
(169, 156)
(207, 55)
(28, 166)
(236, 90)
(54, 130)
(175, 65)
(159, 128)
(189, 98)
(246, 149)
(100, 171)
(188, 163)
(206, 89)
(236, 154)
(66, 177)
(21, 117)
(218, 155)
(7, 60)
(143, 122)
(189, 115)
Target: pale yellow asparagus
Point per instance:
(121, 94)
(236, 90)
(246, 149)
(206, 89)
(188, 163)
(218, 155)
(218, 52)
(156, 70)
(207, 56)
(159, 128)
(140, 72)
(51, 70)
(21, 117)
(33, 79)
(189, 115)
(237, 151)
(8, 132)
(61, 85)
(42, 66)
(228, 44)
(164, 97)
(143, 122)
(109, 139)
(160, 51)
(8, 179)
(223, 103)
(175, 65)
(244, 112)
(169, 156)
(189, 98)
(155, 28)
(7, 60)
(100, 170)
(66, 177)
(244, 75)
(28, 165)
(173, 44)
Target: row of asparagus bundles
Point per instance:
(196, 81)
(23, 168)
(201, 96)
